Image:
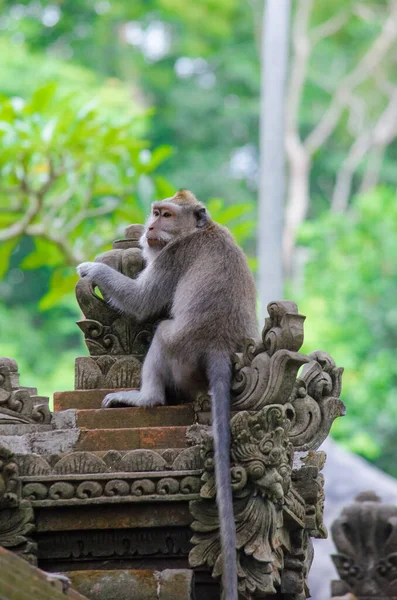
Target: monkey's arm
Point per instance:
(141, 298)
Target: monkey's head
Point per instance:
(172, 218)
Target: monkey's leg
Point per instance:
(155, 376)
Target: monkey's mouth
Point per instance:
(156, 243)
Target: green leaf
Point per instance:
(41, 98)
(62, 282)
(164, 188)
(46, 254)
(6, 250)
(159, 155)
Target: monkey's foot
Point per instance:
(132, 398)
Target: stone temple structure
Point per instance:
(123, 500)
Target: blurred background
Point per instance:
(107, 105)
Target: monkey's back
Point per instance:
(214, 304)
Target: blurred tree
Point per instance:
(350, 291)
(341, 105)
(62, 166)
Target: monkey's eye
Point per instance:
(156, 213)
(167, 215)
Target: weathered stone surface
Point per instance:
(47, 442)
(21, 581)
(170, 584)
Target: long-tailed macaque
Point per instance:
(198, 277)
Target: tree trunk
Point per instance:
(272, 169)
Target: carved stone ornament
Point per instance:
(80, 478)
(19, 405)
(261, 475)
(16, 515)
(278, 423)
(117, 343)
(365, 536)
(10, 487)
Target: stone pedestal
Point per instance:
(117, 344)
(132, 490)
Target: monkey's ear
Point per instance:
(202, 217)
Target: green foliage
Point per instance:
(71, 178)
(350, 299)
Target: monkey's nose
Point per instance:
(151, 228)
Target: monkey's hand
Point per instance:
(93, 270)
(131, 398)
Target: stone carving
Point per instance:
(117, 344)
(33, 466)
(19, 405)
(265, 372)
(16, 516)
(278, 421)
(365, 536)
(316, 401)
(10, 487)
(308, 481)
(134, 476)
(16, 527)
(261, 475)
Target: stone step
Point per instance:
(120, 418)
(132, 438)
(83, 399)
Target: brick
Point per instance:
(131, 438)
(80, 399)
(115, 418)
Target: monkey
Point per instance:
(199, 278)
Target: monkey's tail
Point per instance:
(219, 376)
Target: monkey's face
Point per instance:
(169, 221)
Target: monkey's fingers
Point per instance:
(86, 269)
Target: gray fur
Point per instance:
(199, 278)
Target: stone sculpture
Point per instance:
(117, 344)
(365, 536)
